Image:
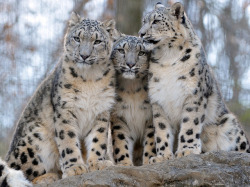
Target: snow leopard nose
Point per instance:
(130, 64)
(84, 57)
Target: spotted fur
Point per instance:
(70, 109)
(185, 97)
(12, 178)
(131, 118)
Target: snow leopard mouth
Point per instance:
(84, 62)
(151, 41)
(129, 74)
(90, 61)
(128, 71)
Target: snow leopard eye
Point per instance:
(77, 39)
(142, 53)
(121, 51)
(97, 42)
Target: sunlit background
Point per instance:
(31, 43)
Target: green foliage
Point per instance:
(243, 114)
(3, 149)
(245, 117)
(5, 135)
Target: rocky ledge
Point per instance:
(210, 169)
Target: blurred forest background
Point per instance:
(31, 43)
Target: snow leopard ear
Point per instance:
(74, 19)
(177, 10)
(109, 25)
(159, 5)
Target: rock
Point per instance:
(209, 169)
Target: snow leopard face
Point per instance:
(88, 42)
(130, 57)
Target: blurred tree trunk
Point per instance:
(233, 46)
(231, 49)
(129, 15)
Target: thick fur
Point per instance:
(11, 177)
(131, 119)
(70, 109)
(185, 97)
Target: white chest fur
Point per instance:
(89, 101)
(168, 91)
(136, 113)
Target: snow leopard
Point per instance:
(188, 107)
(69, 113)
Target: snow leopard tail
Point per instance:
(12, 178)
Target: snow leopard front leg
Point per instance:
(149, 150)
(123, 145)
(97, 143)
(193, 117)
(68, 142)
(163, 135)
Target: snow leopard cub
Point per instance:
(186, 100)
(131, 118)
(70, 109)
